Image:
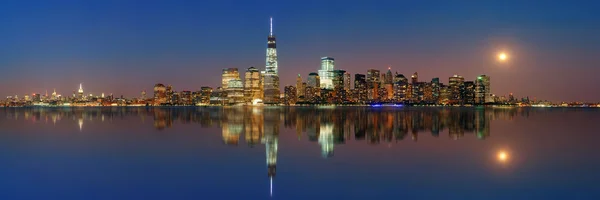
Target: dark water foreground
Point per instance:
(299, 153)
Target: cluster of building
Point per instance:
(78, 98)
(333, 86)
(326, 86)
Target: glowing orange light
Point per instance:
(502, 56)
(502, 156)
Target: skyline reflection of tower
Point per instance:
(253, 126)
(326, 140)
(271, 139)
(233, 125)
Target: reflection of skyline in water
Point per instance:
(321, 130)
(325, 126)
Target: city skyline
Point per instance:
(40, 57)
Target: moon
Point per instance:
(502, 156)
(502, 56)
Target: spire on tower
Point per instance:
(271, 30)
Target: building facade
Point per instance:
(326, 72)
(271, 73)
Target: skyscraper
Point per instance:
(400, 87)
(205, 95)
(482, 90)
(160, 94)
(347, 81)
(388, 78)
(235, 91)
(338, 85)
(252, 85)
(80, 92)
(299, 87)
(373, 82)
(290, 95)
(228, 75)
(54, 95)
(360, 87)
(326, 72)
(388, 84)
(455, 86)
(415, 78)
(468, 93)
(435, 88)
(271, 75)
(314, 80)
(313, 88)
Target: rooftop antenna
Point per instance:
(271, 30)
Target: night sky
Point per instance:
(124, 47)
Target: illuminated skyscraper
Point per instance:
(313, 87)
(228, 75)
(400, 87)
(414, 78)
(468, 93)
(290, 95)
(388, 85)
(205, 93)
(326, 72)
(54, 95)
(360, 87)
(347, 81)
(373, 82)
(338, 79)
(160, 94)
(299, 87)
(80, 92)
(340, 94)
(388, 78)
(170, 94)
(235, 91)
(482, 90)
(435, 88)
(36, 98)
(455, 86)
(314, 80)
(271, 75)
(252, 85)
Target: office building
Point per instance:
(400, 87)
(290, 95)
(271, 73)
(160, 94)
(360, 88)
(483, 90)
(373, 84)
(299, 86)
(252, 85)
(228, 75)
(326, 72)
(455, 87)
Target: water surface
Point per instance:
(299, 153)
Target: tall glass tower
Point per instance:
(326, 72)
(271, 75)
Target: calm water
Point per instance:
(299, 153)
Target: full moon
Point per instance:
(502, 56)
(502, 156)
